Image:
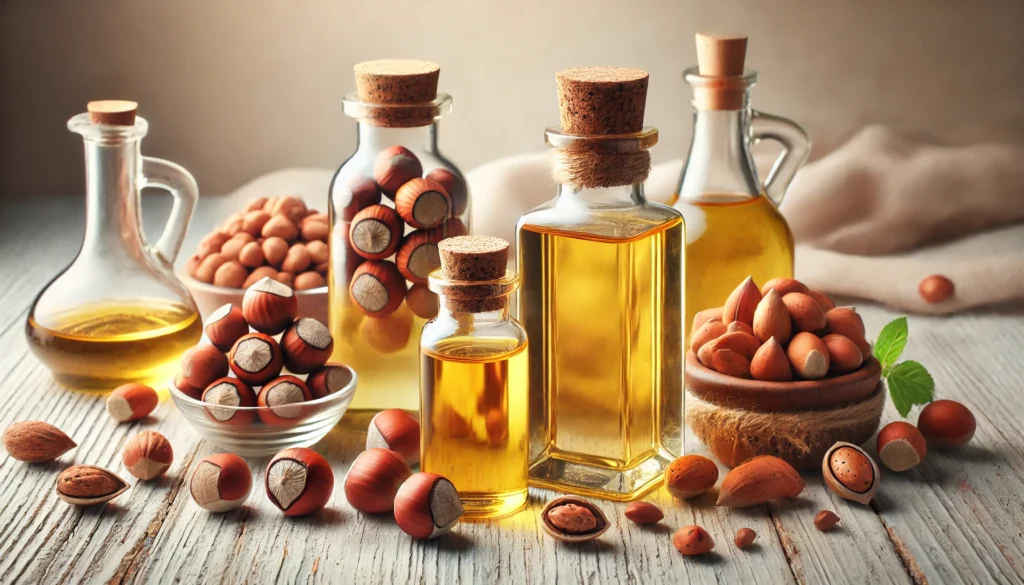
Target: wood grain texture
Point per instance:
(957, 518)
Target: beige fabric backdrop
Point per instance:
(234, 89)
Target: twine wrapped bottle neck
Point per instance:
(606, 160)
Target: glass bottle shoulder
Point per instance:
(571, 216)
(451, 336)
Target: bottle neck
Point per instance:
(720, 162)
(464, 321)
(376, 138)
(112, 169)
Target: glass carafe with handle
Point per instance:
(733, 225)
(117, 314)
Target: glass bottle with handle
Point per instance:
(118, 314)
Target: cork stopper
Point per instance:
(469, 259)
(602, 100)
(112, 112)
(721, 55)
(397, 81)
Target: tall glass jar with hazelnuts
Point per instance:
(391, 202)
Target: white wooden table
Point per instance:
(958, 518)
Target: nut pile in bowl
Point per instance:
(781, 332)
(277, 237)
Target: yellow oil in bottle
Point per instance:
(727, 239)
(604, 314)
(99, 347)
(474, 421)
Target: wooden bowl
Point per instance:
(796, 421)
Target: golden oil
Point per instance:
(603, 309)
(474, 420)
(727, 239)
(99, 347)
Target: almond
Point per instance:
(770, 362)
(771, 319)
(85, 485)
(709, 331)
(730, 363)
(690, 476)
(806, 313)
(844, 355)
(809, 356)
(784, 286)
(759, 480)
(706, 315)
(644, 513)
(34, 440)
(742, 343)
(742, 303)
(824, 301)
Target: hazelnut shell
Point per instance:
(203, 364)
(427, 506)
(328, 379)
(418, 256)
(221, 482)
(280, 400)
(148, 455)
(946, 424)
(422, 203)
(306, 345)
(377, 288)
(225, 326)
(88, 485)
(901, 446)
(376, 232)
(692, 541)
(559, 534)
(229, 392)
(362, 193)
(256, 359)
(397, 430)
(269, 306)
(130, 402)
(373, 480)
(299, 481)
(395, 166)
(690, 476)
(455, 186)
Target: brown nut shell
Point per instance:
(422, 301)
(427, 506)
(225, 326)
(274, 250)
(306, 345)
(846, 322)
(824, 301)
(571, 519)
(935, 289)
(744, 537)
(253, 221)
(280, 226)
(296, 260)
(809, 356)
(256, 359)
(784, 286)
(362, 192)
(221, 482)
(422, 203)
(251, 255)
(308, 281)
(376, 232)
(318, 252)
(229, 393)
(844, 355)
(850, 472)
(203, 364)
(130, 402)
(314, 229)
(772, 319)
(805, 312)
(901, 446)
(34, 441)
(397, 430)
(87, 485)
(328, 379)
(418, 256)
(281, 399)
(946, 424)
(269, 306)
(259, 274)
(690, 476)
(377, 288)
(373, 480)
(455, 186)
(299, 481)
(742, 303)
(709, 331)
(147, 455)
(692, 540)
(208, 267)
(706, 315)
(759, 480)
(395, 166)
(770, 363)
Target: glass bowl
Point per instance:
(253, 437)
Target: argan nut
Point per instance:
(306, 345)
(692, 541)
(377, 288)
(770, 363)
(231, 274)
(846, 322)
(256, 359)
(251, 255)
(739, 326)
(281, 400)
(901, 446)
(269, 306)
(571, 519)
(314, 229)
(87, 485)
(297, 260)
(706, 315)
(192, 264)
(709, 331)
(946, 424)
(274, 250)
(294, 208)
(730, 363)
(256, 204)
(742, 303)
(850, 472)
(643, 513)
(690, 476)
(844, 355)
(809, 356)
(229, 394)
(758, 480)
(268, 206)
(825, 520)
(807, 315)
(208, 267)
(935, 289)
(743, 344)
(362, 193)
(309, 281)
(824, 301)
(33, 441)
(130, 402)
(232, 225)
(299, 481)
(784, 286)
(212, 243)
(259, 274)
(772, 319)
(280, 226)
(423, 302)
(147, 455)
(203, 364)
(373, 480)
(744, 537)
(397, 430)
(327, 380)
(221, 482)
(454, 186)
(427, 506)
(376, 232)
(233, 247)
(318, 252)
(417, 255)
(395, 166)
(225, 326)
(285, 278)
(422, 203)
(253, 221)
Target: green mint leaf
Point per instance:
(890, 343)
(909, 384)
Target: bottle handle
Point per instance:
(795, 148)
(174, 179)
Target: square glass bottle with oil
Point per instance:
(602, 299)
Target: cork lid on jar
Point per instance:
(602, 100)
(397, 81)
(720, 63)
(112, 112)
(466, 260)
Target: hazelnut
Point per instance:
(935, 289)
(422, 203)
(453, 227)
(34, 441)
(274, 250)
(297, 260)
(233, 247)
(373, 480)
(208, 267)
(784, 286)
(378, 288)
(362, 193)
(417, 255)
(844, 355)
(850, 472)
(256, 204)
(294, 208)
(299, 481)
(397, 430)
(285, 278)
(251, 255)
(376, 232)
(328, 379)
(427, 506)
(809, 356)
(692, 540)
(253, 222)
(745, 537)
(193, 392)
(225, 326)
(570, 519)
(231, 274)
(280, 226)
(946, 424)
(203, 364)
(130, 402)
(395, 166)
(314, 229)
(825, 520)
(306, 345)
(690, 476)
(230, 393)
(281, 398)
(643, 513)
(212, 243)
(309, 281)
(423, 302)
(901, 446)
(318, 252)
(221, 482)
(256, 359)
(739, 326)
(148, 455)
(455, 186)
(269, 306)
(846, 322)
(824, 301)
(193, 264)
(87, 485)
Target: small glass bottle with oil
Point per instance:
(733, 225)
(474, 411)
(117, 314)
(601, 299)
